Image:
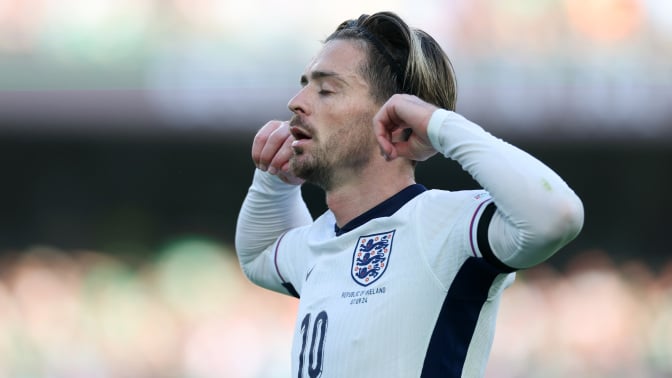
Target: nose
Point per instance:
(298, 103)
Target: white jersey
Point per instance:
(402, 295)
(411, 287)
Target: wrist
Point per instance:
(434, 125)
(270, 183)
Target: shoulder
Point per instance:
(440, 214)
(442, 200)
(320, 229)
(450, 215)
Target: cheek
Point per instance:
(349, 121)
(355, 137)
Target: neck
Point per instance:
(368, 188)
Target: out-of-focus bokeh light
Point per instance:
(605, 20)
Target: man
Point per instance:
(394, 280)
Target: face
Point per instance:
(333, 114)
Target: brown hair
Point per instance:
(401, 59)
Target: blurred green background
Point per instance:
(125, 130)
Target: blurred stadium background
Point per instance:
(125, 128)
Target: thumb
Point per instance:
(414, 148)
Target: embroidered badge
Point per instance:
(371, 257)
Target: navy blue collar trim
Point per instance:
(383, 209)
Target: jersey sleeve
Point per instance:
(533, 213)
(270, 209)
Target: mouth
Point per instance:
(299, 133)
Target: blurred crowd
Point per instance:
(594, 318)
(189, 312)
(595, 65)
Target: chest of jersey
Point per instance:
(369, 299)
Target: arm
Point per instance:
(271, 207)
(536, 212)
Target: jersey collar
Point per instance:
(383, 209)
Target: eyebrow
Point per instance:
(319, 75)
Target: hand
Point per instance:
(272, 149)
(393, 121)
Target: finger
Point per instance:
(275, 141)
(402, 149)
(261, 138)
(386, 124)
(384, 139)
(414, 149)
(281, 158)
(398, 143)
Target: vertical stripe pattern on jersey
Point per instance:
(455, 326)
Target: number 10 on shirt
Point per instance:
(317, 334)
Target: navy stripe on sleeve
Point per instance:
(484, 243)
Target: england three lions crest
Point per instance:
(371, 257)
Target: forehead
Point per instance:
(341, 57)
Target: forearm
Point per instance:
(270, 208)
(537, 213)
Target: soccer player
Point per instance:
(394, 279)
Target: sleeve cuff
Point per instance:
(434, 127)
(268, 183)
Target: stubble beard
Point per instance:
(310, 168)
(346, 149)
